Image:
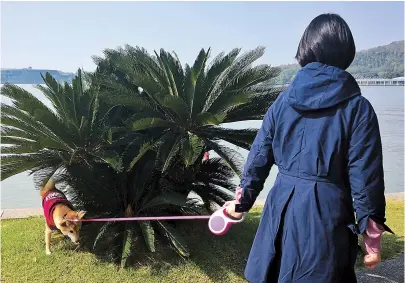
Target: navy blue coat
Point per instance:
(324, 138)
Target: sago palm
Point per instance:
(143, 191)
(71, 142)
(182, 109)
(37, 138)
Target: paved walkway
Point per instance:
(389, 271)
(20, 213)
(396, 196)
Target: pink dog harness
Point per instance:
(51, 199)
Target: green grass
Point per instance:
(214, 259)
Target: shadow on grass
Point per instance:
(221, 258)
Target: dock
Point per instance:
(381, 82)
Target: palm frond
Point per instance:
(242, 138)
(148, 233)
(128, 239)
(207, 119)
(179, 107)
(256, 108)
(142, 151)
(231, 157)
(14, 164)
(230, 74)
(164, 65)
(15, 133)
(175, 238)
(148, 123)
(191, 148)
(168, 150)
(193, 76)
(219, 65)
(164, 199)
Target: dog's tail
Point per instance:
(49, 186)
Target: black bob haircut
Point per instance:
(327, 40)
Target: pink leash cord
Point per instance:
(152, 218)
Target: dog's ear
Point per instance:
(81, 214)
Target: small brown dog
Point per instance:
(57, 209)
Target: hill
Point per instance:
(385, 62)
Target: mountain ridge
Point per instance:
(384, 62)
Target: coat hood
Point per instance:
(318, 86)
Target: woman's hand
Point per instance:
(371, 260)
(230, 209)
(372, 243)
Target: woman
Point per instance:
(324, 138)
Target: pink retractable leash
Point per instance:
(218, 223)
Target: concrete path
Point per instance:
(396, 196)
(20, 213)
(389, 271)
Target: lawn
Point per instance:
(214, 259)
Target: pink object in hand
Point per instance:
(206, 156)
(372, 237)
(220, 223)
(238, 194)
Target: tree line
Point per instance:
(384, 62)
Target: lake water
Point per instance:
(18, 191)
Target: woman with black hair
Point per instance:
(324, 137)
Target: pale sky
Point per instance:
(64, 35)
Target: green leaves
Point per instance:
(127, 242)
(164, 199)
(231, 157)
(179, 107)
(71, 131)
(111, 158)
(101, 233)
(207, 119)
(142, 151)
(240, 137)
(148, 123)
(148, 234)
(193, 75)
(186, 101)
(175, 238)
(16, 163)
(191, 149)
(130, 138)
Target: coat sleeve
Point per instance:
(258, 164)
(366, 174)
